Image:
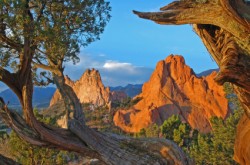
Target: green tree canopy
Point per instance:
(169, 125)
(50, 31)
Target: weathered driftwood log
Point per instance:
(224, 28)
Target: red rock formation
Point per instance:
(174, 89)
(242, 145)
(90, 89)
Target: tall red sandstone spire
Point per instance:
(175, 89)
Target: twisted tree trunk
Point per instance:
(224, 27)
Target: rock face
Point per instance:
(175, 89)
(242, 145)
(90, 89)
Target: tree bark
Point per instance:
(224, 28)
(7, 161)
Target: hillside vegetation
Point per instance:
(215, 147)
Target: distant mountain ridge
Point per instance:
(207, 72)
(41, 97)
(131, 89)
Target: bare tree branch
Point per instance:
(48, 68)
(10, 42)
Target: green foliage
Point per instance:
(125, 103)
(217, 146)
(55, 29)
(180, 133)
(202, 149)
(152, 131)
(233, 100)
(45, 33)
(213, 148)
(172, 129)
(48, 119)
(142, 133)
(169, 125)
(99, 118)
(26, 153)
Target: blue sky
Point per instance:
(130, 47)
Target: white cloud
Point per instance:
(102, 55)
(116, 65)
(121, 73)
(113, 73)
(122, 68)
(112, 65)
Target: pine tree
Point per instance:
(217, 147)
(169, 125)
